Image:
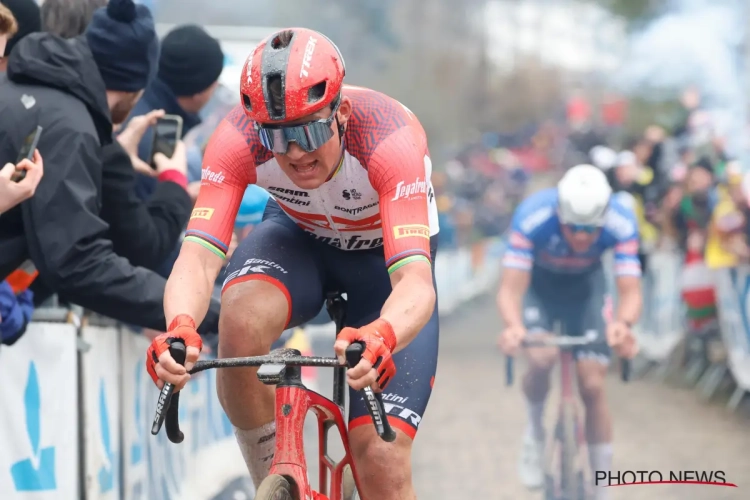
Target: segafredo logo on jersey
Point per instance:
(307, 59)
(410, 191)
(209, 175)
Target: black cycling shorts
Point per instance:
(305, 270)
(579, 303)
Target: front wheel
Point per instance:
(274, 487)
(568, 470)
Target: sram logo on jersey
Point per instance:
(410, 230)
(208, 175)
(410, 191)
(290, 195)
(202, 213)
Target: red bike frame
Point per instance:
(292, 404)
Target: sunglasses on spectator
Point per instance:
(582, 228)
(309, 136)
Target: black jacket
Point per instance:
(143, 232)
(55, 83)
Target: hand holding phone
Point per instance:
(14, 192)
(167, 133)
(27, 152)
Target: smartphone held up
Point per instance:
(166, 134)
(27, 153)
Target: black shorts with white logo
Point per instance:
(578, 303)
(305, 270)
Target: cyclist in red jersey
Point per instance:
(353, 211)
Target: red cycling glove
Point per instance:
(182, 327)
(380, 341)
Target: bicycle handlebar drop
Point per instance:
(562, 343)
(167, 406)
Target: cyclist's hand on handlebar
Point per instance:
(160, 364)
(510, 340)
(621, 339)
(376, 368)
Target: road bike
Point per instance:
(567, 481)
(338, 480)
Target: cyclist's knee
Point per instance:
(378, 459)
(253, 315)
(591, 381)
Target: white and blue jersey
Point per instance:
(536, 242)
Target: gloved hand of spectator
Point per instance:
(11, 192)
(131, 136)
(15, 313)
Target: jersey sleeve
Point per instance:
(228, 168)
(624, 228)
(396, 164)
(519, 253)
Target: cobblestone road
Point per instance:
(467, 446)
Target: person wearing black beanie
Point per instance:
(190, 64)
(28, 20)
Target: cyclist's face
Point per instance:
(579, 241)
(311, 170)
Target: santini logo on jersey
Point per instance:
(208, 175)
(406, 191)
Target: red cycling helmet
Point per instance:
(291, 74)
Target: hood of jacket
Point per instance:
(65, 64)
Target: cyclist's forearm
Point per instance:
(510, 305)
(630, 302)
(189, 288)
(409, 306)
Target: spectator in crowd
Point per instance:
(13, 191)
(76, 89)
(190, 64)
(68, 18)
(8, 27)
(27, 21)
(143, 232)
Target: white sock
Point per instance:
(600, 458)
(536, 419)
(257, 447)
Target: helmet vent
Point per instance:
(316, 92)
(246, 102)
(282, 39)
(275, 96)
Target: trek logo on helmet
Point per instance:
(307, 59)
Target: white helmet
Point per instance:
(583, 196)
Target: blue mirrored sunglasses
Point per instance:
(309, 136)
(582, 228)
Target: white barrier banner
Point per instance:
(202, 465)
(39, 415)
(732, 287)
(662, 322)
(101, 402)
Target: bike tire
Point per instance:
(274, 487)
(349, 486)
(569, 453)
